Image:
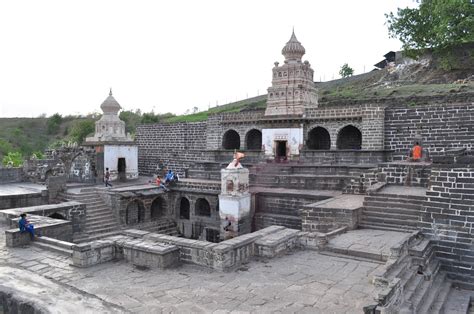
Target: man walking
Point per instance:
(107, 177)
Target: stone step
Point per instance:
(52, 248)
(101, 235)
(422, 293)
(368, 220)
(421, 248)
(344, 256)
(399, 209)
(373, 213)
(401, 197)
(106, 214)
(437, 306)
(411, 280)
(356, 253)
(100, 224)
(397, 270)
(62, 244)
(100, 204)
(97, 231)
(381, 203)
(387, 227)
(433, 295)
(457, 302)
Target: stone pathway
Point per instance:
(303, 282)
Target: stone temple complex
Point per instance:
(324, 214)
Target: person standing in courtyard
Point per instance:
(107, 177)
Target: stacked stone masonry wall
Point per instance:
(440, 127)
(11, 175)
(448, 217)
(176, 144)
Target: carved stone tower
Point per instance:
(292, 87)
(110, 127)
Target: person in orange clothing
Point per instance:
(416, 153)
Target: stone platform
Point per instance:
(367, 243)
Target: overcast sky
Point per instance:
(169, 56)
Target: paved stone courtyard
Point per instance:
(304, 281)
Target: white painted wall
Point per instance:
(113, 152)
(294, 136)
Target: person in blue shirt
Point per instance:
(26, 226)
(169, 177)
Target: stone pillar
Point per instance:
(234, 203)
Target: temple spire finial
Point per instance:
(110, 93)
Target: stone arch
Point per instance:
(184, 208)
(202, 207)
(231, 140)
(57, 216)
(349, 137)
(135, 212)
(157, 208)
(318, 138)
(253, 139)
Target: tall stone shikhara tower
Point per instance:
(292, 88)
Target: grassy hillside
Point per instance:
(28, 135)
(246, 104)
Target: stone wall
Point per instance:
(11, 175)
(319, 219)
(48, 227)
(72, 211)
(24, 200)
(368, 118)
(402, 173)
(175, 144)
(280, 210)
(168, 206)
(448, 217)
(224, 256)
(439, 127)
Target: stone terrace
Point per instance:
(305, 281)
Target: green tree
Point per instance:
(53, 123)
(13, 159)
(346, 70)
(81, 129)
(131, 119)
(436, 24)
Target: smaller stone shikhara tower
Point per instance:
(115, 149)
(292, 88)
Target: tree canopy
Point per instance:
(436, 24)
(346, 70)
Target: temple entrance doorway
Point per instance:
(121, 169)
(280, 150)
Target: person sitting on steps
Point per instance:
(416, 153)
(26, 226)
(160, 184)
(171, 177)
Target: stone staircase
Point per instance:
(54, 245)
(100, 221)
(413, 283)
(163, 226)
(305, 176)
(391, 212)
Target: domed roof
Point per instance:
(293, 49)
(110, 105)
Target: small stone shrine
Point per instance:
(234, 200)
